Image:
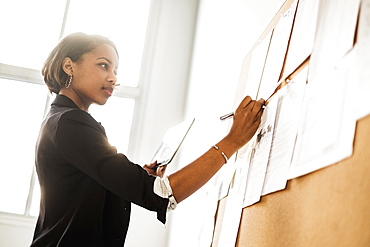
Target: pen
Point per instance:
(231, 114)
(227, 116)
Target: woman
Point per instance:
(86, 186)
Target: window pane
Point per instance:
(29, 31)
(22, 110)
(116, 117)
(123, 21)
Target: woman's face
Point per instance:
(94, 76)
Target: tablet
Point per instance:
(171, 142)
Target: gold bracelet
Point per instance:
(222, 153)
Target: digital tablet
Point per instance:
(171, 142)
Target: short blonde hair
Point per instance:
(72, 46)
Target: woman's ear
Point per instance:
(67, 65)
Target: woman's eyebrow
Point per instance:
(109, 61)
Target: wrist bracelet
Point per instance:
(223, 154)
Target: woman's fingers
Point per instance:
(245, 102)
(252, 105)
(259, 106)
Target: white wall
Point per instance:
(16, 231)
(165, 78)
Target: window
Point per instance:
(122, 21)
(22, 109)
(116, 117)
(30, 30)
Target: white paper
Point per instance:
(303, 35)
(363, 31)
(234, 202)
(224, 178)
(360, 74)
(260, 145)
(276, 53)
(205, 236)
(360, 79)
(328, 125)
(285, 132)
(335, 33)
(256, 66)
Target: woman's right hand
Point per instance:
(247, 118)
(190, 178)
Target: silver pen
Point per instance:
(231, 114)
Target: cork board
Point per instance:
(328, 207)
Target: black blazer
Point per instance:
(86, 186)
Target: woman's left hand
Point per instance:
(155, 170)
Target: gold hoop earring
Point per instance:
(69, 81)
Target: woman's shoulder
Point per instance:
(78, 116)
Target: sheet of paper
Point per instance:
(335, 33)
(303, 35)
(361, 73)
(218, 188)
(360, 79)
(276, 53)
(205, 236)
(260, 144)
(285, 131)
(234, 202)
(363, 31)
(360, 54)
(256, 67)
(327, 128)
(357, 62)
(224, 178)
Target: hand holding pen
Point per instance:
(231, 114)
(247, 118)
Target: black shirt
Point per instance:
(86, 186)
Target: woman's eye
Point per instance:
(104, 65)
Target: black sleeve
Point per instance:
(83, 143)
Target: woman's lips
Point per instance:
(108, 90)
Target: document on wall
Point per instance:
(224, 177)
(260, 144)
(357, 62)
(360, 74)
(303, 35)
(256, 66)
(276, 53)
(335, 33)
(205, 236)
(285, 131)
(360, 79)
(234, 202)
(363, 30)
(326, 132)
